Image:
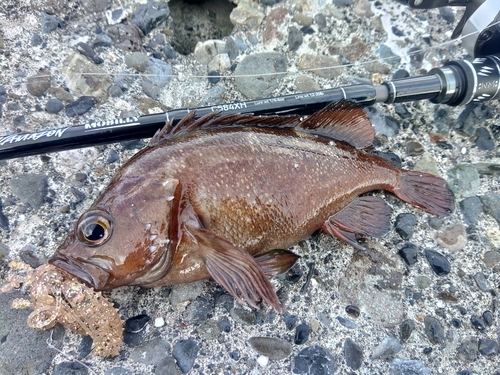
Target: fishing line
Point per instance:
(185, 77)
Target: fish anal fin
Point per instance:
(275, 262)
(367, 215)
(344, 121)
(233, 268)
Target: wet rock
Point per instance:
(406, 328)
(468, 351)
(80, 106)
(85, 346)
(248, 13)
(150, 353)
(405, 225)
(255, 86)
(242, 316)
(158, 72)
(387, 348)
(136, 323)
(453, 237)
(30, 188)
(434, 330)
(409, 253)
(28, 256)
(302, 332)
(471, 208)
(414, 148)
(483, 140)
(185, 352)
(488, 347)
(54, 106)
(137, 61)
(491, 205)
(323, 66)
(295, 38)
(353, 354)
(290, 321)
(49, 23)
(150, 15)
(38, 84)
(113, 157)
(314, 360)
(273, 348)
(447, 14)
(481, 282)
(198, 310)
(439, 264)
(408, 366)
(70, 368)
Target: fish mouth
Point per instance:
(89, 273)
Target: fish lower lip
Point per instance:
(90, 274)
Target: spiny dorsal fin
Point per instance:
(344, 121)
(213, 121)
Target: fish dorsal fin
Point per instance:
(213, 121)
(344, 121)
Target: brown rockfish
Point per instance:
(223, 196)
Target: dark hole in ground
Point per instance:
(194, 21)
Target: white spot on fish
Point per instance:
(153, 248)
(153, 237)
(171, 198)
(147, 226)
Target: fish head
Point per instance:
(123, 239)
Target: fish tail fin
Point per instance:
(425, 191)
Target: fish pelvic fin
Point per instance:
(368, 216)
(344, 121)
(235, 269)
(425, 191)
(277, 261)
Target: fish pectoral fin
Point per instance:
(344, 121)
(275, 262)
(236, 270)
(368, 216)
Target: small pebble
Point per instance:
(314, 360)
(54, 106)
(387, 348)
(408, 366)
(353, 310)
(295, 39)
(213, 77)
(406, 328)
(488, 347)
(290, 321)
(457, 323)
(88, 52)
(113, 157)
(409, 253)
(150, 15)
(453, 237)
(463, 180)
(439, 264)
(302, 333)
(405, 225)
(347, 322)
(185, 353)
(197, 311)
(159, 322)
(484, 141)
(488, 318)
(80, 106)
(353, 354)
(491, 205)
(481, 282)
(262, 361)
(118, 371)
(167, 366)
(38, 84)
(137, 61)
(471, 208)
(85, 346)
(271, 347)
(478, 323)
(158, 72)
(30, 188)
(49, 23)
(414, 148)
(468, 351)
(242, 316)
(151, 352)
(136, 323)
(434, 330)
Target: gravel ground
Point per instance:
(425, 303)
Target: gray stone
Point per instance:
(248, 13)
(118, 371)
(70, 368)
(54, 105)
(185, 292)
(185, 353)
(38, 84)
(150, 15)
(323, 66)
(167, 366)
(49, 23)
(80, 106)
(491, 205)
(467, 351)
(210, 330)
(258, 75)
(353, 354)
(488, 347)
(295, 38)
(471, 208)
(30, 188)
(463, 180)
(387, 348)
(405, 225)
(408, 367)
(314, 360)
(243, 316)
(484, 141)
(271, 347)
(482, 282)
(198, 310)
(434, 330)
(158, 72)
(151, 352)
(406, 328)
(137, 61)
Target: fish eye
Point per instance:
(94, 227)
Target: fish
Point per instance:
(225, 196)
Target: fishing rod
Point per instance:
(456, 83)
